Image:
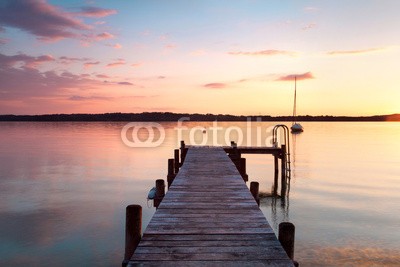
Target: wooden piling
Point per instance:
(254, 189)
(160, 192)
(133, 231)
(176, 158)
(242, 169)
(283, 170)
(183, 152)
(286, 238)
(276, 173)
(171, 172)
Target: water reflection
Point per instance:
(64, 188)
(279, 209)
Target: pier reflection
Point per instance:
(278, 208)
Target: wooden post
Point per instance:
(183, 156)
(183, 152)
(283, 170)
(276, 173)
(182, 144)
(242, 163)
(286, 237)
(160, 192)
(133, 231)
(171, 172)
(254, 189)
(176, 157)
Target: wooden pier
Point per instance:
(208, 217)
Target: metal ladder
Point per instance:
(287, 146)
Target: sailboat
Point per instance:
(296, 127)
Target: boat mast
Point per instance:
(294, 105)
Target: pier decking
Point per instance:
(209, 218)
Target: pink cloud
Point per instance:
(117, 63)
(215, 85)
(303, 76)
(353, 52)
(103, 36)
(117, 46)
(96, 12)
(270, 52)
(88, 65)
(136, 64)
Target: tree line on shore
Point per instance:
(169, 116)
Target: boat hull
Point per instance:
(296, 128)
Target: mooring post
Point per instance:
(176, 158)
(283, 170)
(242, 163)
(254, 189)
(171, 172)
(276, 173)
(160, 192)
(183, 152)
(286, 237)
(133, 231)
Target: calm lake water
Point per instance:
(64, 187)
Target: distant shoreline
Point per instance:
(169, 116)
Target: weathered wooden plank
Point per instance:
(210, 230)
(215, 237)
(230, 263)
(274, 253)
(208, 219)
(211, 243)
(249, 250)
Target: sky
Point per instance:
(224, 57)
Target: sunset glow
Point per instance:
(231, 57)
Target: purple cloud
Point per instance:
(49, 22)
(21, 80)
(24, 60)
(102, 76)
(125, 83)
(40, 18)
(67, 60)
